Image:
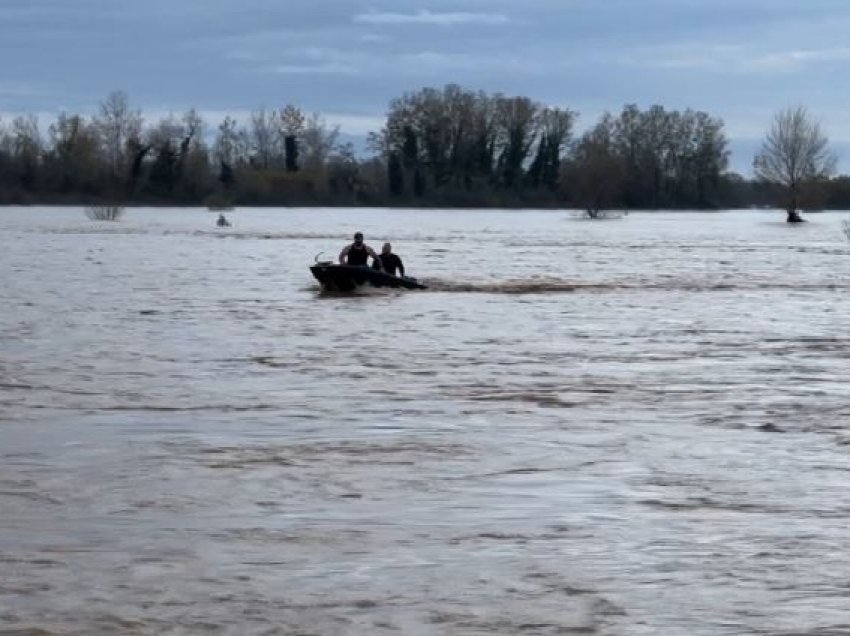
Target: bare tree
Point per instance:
(231, 143)
(264, 138)
(292, 120)
(555, 127)
(318, 141)
(794, 156)
(292, 125)
(710, 155)
(177, 143)
(73, 151)
(230, 150)
(117, 124)
(27, 148)
(598, 172)
(516, 121)
(195, 156)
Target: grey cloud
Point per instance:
(738, 60)
(434, 18)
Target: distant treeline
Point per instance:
(439, 147)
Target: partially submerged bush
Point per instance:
(105, 212)
(845, 227)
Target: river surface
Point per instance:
(628, 426)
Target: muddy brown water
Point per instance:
(631, 426)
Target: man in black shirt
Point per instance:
(389, 262)
(358, 253)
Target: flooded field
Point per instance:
(633, 426)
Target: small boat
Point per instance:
(345, 278)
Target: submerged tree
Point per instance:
(794, 156)
(104, 212)
(597, 171)
(670, 158)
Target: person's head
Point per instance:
(386, 249)
(358, 238)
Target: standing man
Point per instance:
(357, 253)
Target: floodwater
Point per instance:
(630, 426)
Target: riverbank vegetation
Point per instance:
(438, 147)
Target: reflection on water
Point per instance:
(629, 427)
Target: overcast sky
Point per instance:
(740, 60)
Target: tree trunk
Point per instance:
(793, 215)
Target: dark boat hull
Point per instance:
(345, 278)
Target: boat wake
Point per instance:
(512, 286)
(552, 285)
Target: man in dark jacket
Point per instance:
(390, 262)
